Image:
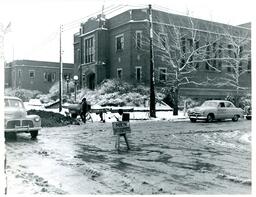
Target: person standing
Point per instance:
(83, 110)
(120, 117)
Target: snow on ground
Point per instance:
(140, 113)
(165, 158)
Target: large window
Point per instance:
(138, 39)
(19, 73)
(183, 45)
(89, 50)
(249, 65)
(120, 42)
(208, 51)
(162, 74)
(49, 77)
(163, 41)
(230, 53)
(138, 74)
(214, 55)
(197, 52)
(220, 55)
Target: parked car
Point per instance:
(215, 110)
(16, 119)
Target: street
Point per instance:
(165, 158)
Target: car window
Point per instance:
(228, 104)
(6, 103)
(209, 104)
(15, 103)
(221, 104)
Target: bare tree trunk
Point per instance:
(175, 101)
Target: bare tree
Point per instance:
(185, 47)
(236, 60)
(181, 48)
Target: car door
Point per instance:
(221, 111)
(231, 109)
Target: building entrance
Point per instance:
(91, 80)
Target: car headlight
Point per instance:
(37, 119)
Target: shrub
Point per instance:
(51, 119)
(240, 100)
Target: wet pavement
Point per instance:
(165, 158)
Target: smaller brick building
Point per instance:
(35, 75)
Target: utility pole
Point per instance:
(152, 109)
(60, 73)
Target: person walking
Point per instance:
(83, 110)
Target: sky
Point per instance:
(35, 24)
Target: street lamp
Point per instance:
(75, 79)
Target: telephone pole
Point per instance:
(60, 73)
(152, 109)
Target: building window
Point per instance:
(183, 45)
(89, 50)
(207, 62)
(182, 63)
(220, 57)
(19, 73)
(197, 52)
(190, 41)
(241, 49)
(230, 52)
(53, 76)
(49, 77)
(249, 65)
(32, 74)
(45, 76)
(163, 41)
(138, 74)
(120, 42)
(119, 73)
(214, 55)
(162, 74)
(191, 50)
(138, 39)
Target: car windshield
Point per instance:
(13, 103)
(209, 104)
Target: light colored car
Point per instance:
(215, 110)
(16, 119)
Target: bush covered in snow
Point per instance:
(51, 119)
(117, 93)
(240, 100)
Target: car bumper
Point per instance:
(22, 129)
(197, 117)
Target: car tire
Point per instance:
(248, 117)
(235, 118)
(209, 118)
(73, 115)
(193, 119)
(10, 135)
(33, 134)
